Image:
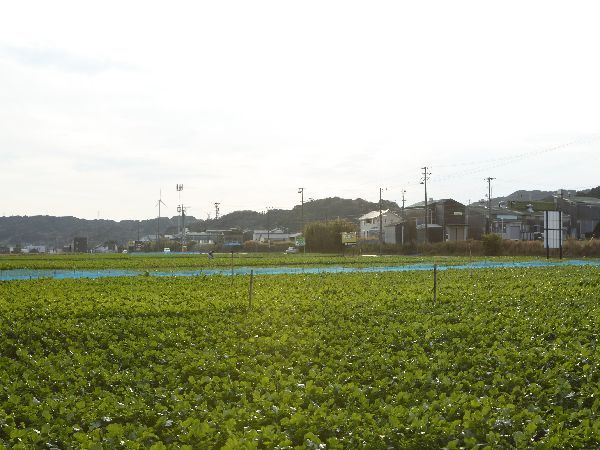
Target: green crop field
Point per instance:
(506, 358)
(182, 261)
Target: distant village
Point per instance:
(441, 220)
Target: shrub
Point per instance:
(254, 246)
(327, 236)
(523, 248)
(492, 244)
(574, 248)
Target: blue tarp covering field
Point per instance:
(26, 274)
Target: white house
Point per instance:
(275, 235)
(369, 223)
(105, 249)
(34, 249)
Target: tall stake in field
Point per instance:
(434, 283)
(232, 267)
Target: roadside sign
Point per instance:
(349, 237)
(300, 241)
(553, 231)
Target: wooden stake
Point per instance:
(434, 283)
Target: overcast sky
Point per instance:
(103, 104)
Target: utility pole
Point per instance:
(301, 192)
(489, 224)
(426, 174)
(181, 209)
(269, 208)
(403, 200)
(380, 222)
(158, 220)
(179, 188)
(216, 210)
(467, 219)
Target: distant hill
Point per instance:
(58, 231)
(323, 209)
(547, 196)
(593, 192)
(530, 196)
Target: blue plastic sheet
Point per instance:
(25, 274)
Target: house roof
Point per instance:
(420, 204)
(496, 211)
(433, 202)
(373, 214)
(587, 200)
(274, 231)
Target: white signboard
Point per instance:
(552, 229)
(349, 237)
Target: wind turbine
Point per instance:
(158, 220)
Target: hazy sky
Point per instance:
(103, 104)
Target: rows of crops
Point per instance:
(505, 358)
(174, 261)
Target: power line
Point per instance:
(526, 154)
(499, 162)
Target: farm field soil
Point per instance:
(505, 358)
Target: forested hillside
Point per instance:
(58, 231)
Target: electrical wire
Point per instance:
(501, 162)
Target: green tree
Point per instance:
(597, 230)
(594, 192)
(492, 244)
(327, 236)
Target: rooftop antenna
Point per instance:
(158, 220)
